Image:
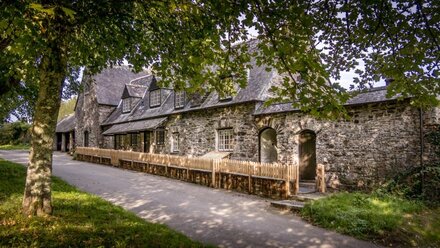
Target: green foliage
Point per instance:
(15, 133)
(194, 46)
(66, 108)
(422, 182)
(384, 218)
(79, 220)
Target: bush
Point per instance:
(15, 133)
(423, 182)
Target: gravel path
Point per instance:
(222, 218)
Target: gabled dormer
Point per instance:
(155, 94)
(131, 95)
(126, 101)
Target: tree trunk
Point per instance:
(37, 198)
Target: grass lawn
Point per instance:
(387, 220)
(15, 147)
(79, 220)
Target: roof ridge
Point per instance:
(135, 79)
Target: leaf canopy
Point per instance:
(201, 45)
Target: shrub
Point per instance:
(15, 133)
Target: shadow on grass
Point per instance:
(79, 220)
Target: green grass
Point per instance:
(15, 147)
(79, 220)
(385, 219)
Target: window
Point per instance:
(155, 98)
(86, 138)
(118, 141)
(225, 139)
(175, 142)
(179, 99)
(160, 137)
(126, 105)
(134, 140)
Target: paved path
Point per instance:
(218, 217)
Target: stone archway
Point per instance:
(268, 145)
(307, 155)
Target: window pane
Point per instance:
(225, 139)
(160, 137)
(154, 98)
(126, 105)
(179, 99)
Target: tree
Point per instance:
(196, 45)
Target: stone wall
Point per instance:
(198, 131)
(378, 141)
(89, 116)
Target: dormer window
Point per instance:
(155, 98)
(179, 99)
(126, 105)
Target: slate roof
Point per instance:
(110, 83)
(136, 90)
(67, 124)
(256, 90)
(135, 126)
(373, 95)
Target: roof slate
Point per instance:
(135, 126)
(372, 95)
(67, 124)
(256, 90)
(111, 81)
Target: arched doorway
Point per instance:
(268, 146)
(307, 155)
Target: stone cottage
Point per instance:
(122, 110)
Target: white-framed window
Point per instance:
(155, 98)
(225, 139)
(126, 105)
(179, 99)
(175, 142)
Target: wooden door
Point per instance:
(307, 155)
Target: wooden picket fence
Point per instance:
(271, 171)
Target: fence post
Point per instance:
(167, 163)
(287, 186)
(213, 162)
(187, 168)
(296, 179)
(320, 181)
(250, 171)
